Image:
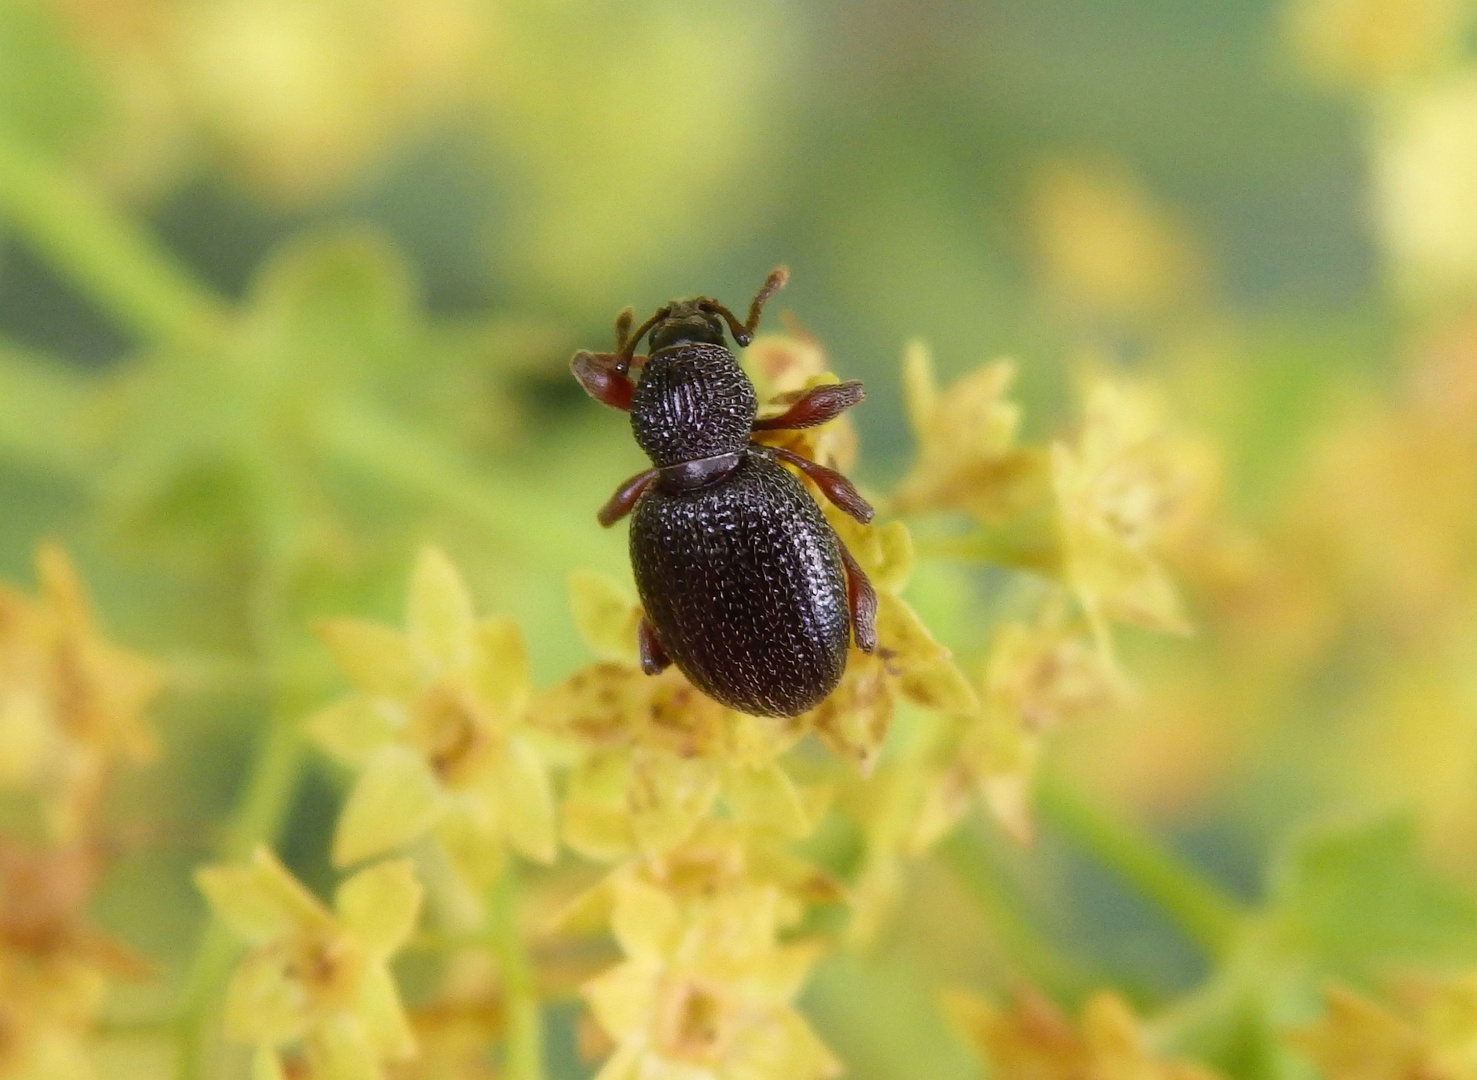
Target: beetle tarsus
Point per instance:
(861, 600)
(818, 405)
(624, 499)
(654, 659)
(832, 484)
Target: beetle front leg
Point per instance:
(861, 600)
(654, 658)
(624, 499)
(604, 377)
(835, 486)
(818, 405)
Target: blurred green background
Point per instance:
(423, 207)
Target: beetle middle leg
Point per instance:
(624, 499)
(818, 405)
(654, 658)
(835, 486)
(861, 600)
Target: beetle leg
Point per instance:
(861, 600)
(835, 486)
(743, 333)
(620, 504)
(654, 659)
(818, 405)
(603, 375)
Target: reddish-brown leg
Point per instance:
(624, 499)
(654, 659)
(817, 405)
(603, 375)
(835, 486)
(861, 599)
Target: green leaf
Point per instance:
(41, 404)
(1359, 899)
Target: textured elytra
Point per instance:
(693, 401)
(743, 583)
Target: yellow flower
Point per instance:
(1360, 1040)
(438, 730)
(967, 456)
(908, 663)
(71, 703)
(313, 977)
(1370, 44)
(783, 366)
(1425, 166)
(656, 753)
(1106, 247)
(54, 966)
(1033, 1041)
(1035, 678)
(707, 995)
(1125, 490)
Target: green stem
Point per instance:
(1041, 962)
(1207, 915)
(523, 1054)
(515, 513)
(114, 264)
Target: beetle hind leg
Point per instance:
(654, 659)
(861, 600)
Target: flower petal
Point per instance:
(527, 801)
(605, 614)
(377, 659)
(500, 666)
(396, 800)
(261, 900)
(767, 797)
(339, 1049)
(351, 730)
(383, 1017)
(440, 616)
(380, 905)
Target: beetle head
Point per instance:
(686, 320)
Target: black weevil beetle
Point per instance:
(746, 586)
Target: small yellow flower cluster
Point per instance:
(54, 966)
(71, 711)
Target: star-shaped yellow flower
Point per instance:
(1034, 1041)
(437, 729)
(315, 978)
(654, 753)
(1035, 678)
(705, 996)
(1359, 1039)
(71, 703)
(1124, 488)
(967, 458)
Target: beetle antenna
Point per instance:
(623, 323)
(628, 347)
(743, 332)
(778, 278)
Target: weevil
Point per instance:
(745, 586)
